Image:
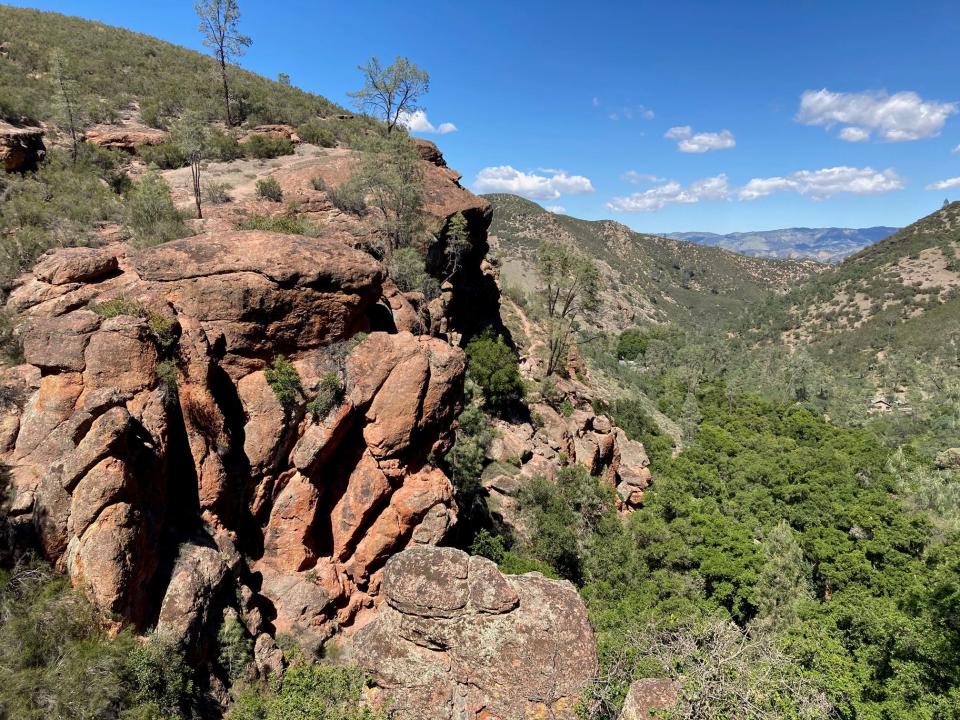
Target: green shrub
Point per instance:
(284, 380)
(223, 146)
(217, 193)
(151, 216)
(316, 132)
(269, 189)
(288, 224)
(234, 647)
(264, 147)
(328, 396)
(566, 409)
(166, 155)
(318, 183)
(119, 306)
(492, 365)
(57, 206)
(348, 197)
(408, 270)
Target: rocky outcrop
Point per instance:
(157, 462)
(456, 639)
(648, 695)
(126, 138)
(21, 147)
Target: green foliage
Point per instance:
(265, 147)
(269, 189)
(329, 395)
(217, 193)
(458, 245)
(165, 156)
(317, 132)
(390, 178)
(307, 691)
(391, 91)
(287, 224)
(151, 216)
(409, 272)
(467, 457)
(284, 380)
(58, 206)
(631, 416)
(57, 658)
(234, 647)
(348, 197)
(119, 306)
(492, 365)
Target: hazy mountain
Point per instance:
(823, 244)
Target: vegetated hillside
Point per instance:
(112, 68)
(647, 278)
(902, 293)
(821, 244)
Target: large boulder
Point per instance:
(455, 638)
(21, 147)
(126, 138)
(648, 695)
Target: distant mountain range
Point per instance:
(823, 244)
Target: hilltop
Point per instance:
(820, 244)
(113, 68)
(647, 278)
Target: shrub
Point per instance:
(492, 365)
(288, 224)
(217, 193)
(408, 270)
(234, 647)
(318, 183)
(166, 156)
(223, 147)
(264, 147)
(119, 306)
(168, 377)
(150, 213)
(284, 380)
(316, 132)
(348, 197)
(163, 333)
(269, 189)
(328, 396)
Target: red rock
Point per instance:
(126, 138)
(21, 147)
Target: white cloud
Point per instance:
(894, 118)
(632, 176)
(825, 183)
(956, 150)
(556, 209)
(629, 113)
(672, 193)
(854, 134)
(596, 101)
(690, 142)
(945, 184)
(507, 179)
(417, 121)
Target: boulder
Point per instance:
(455, 638)
(648, 695)
(21, 147)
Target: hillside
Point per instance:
(647, 278)
(112, 68)
(820, 244)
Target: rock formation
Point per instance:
(21, 147)
(456, 639)
(126, 137)
(151, 456)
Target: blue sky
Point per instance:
(801, 113)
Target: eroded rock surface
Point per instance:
(21, 147)
(455, 639)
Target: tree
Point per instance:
(391, 91)
(783, 579)
(569, 283)
(192, 135)
(284, 79)
(219, 21)
(65, 92)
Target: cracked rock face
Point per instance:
(157, 464)
(456, 639)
